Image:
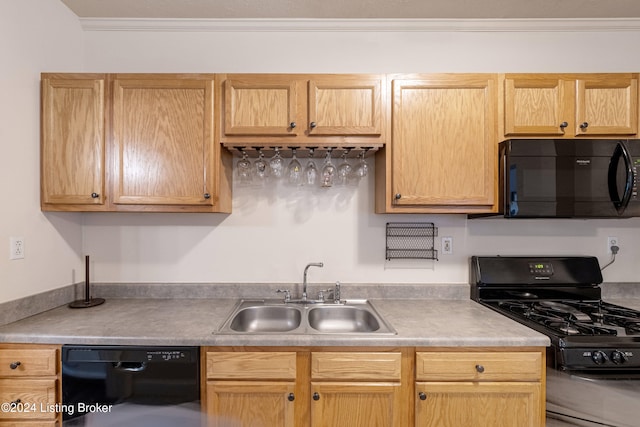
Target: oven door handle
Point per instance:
(130, 366)
(620, 203)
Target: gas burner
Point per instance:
(632, 328)
(565, 310)
(566, 328)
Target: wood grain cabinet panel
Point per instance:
(16, 362)
(482, 388)
(479, 366)
(487, 404)
(443, 151)
(163, 140)
(250, 403)
(132, 142)
(73, 141)
(569, 105)
(251, 365)
(33, 396)
(30, 378)
(302, 110)
(303, 387)
(356, 404)
(356, 366)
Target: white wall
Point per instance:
(35, 36)
(273, 233)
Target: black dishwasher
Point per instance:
(130, 386)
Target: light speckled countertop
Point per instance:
(143, 321)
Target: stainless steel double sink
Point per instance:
(278, 317)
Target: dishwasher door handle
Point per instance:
(130, 366)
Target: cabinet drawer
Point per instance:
(479, 366)
(356, 366)
(21, 423)
(35, 397)
(28, 362)
(251, 365)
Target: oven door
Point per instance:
(594, 399)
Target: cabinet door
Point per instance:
(345, 106)
(250, 403)
(534, 104)
(444, 146)
(163, 140)
(261, 105)
(607, 105)
(73, 142)
(464, 404)
(32, 398)
(346, 404)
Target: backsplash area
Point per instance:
(275, 231)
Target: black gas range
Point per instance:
(593, 363)
(561, 298)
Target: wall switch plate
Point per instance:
(447, 246)
(16, 247)
(611, 241)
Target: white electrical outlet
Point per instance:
(16, 247)
(611, 241)
(447, 245)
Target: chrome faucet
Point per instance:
(304, 281)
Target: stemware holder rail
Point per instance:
(286, 151)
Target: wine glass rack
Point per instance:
(411, 240)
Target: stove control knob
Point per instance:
(618, 357)
(599, 357)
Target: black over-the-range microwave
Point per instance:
(569, 178)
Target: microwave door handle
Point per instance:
(620, 203)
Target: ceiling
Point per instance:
(355, 9)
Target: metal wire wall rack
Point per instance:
(411, 240)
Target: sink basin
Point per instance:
(312, 317)
(340, 319)
(266, 319)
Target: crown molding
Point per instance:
(361, 25)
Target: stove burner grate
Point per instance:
(574, 317)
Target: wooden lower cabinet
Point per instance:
(348, 404)
(30, 383)
(380, 387)
(306, 387)
(358, 388)
(250, 403)
(480, 388)
(488, 404)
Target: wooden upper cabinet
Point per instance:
(163, 149)
(444, 146)
(131, 142)
(345, 106)
(299, 110)
(534, 104)
(265, 105)
(607, 105)
(73, 142)
(570, 105)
